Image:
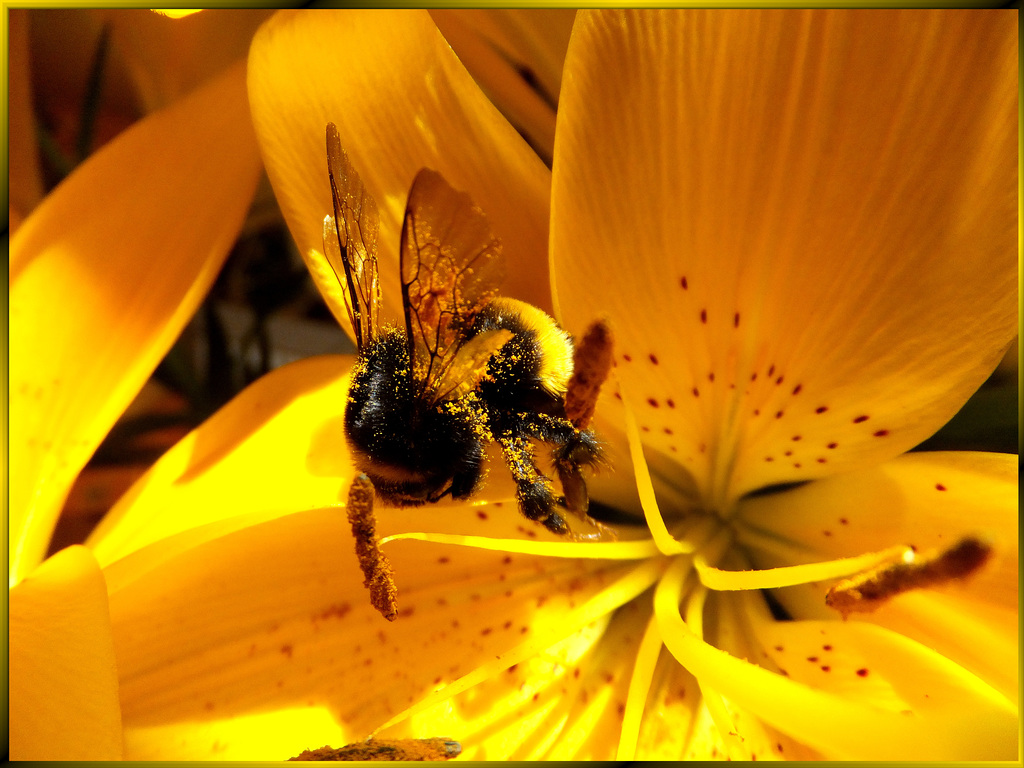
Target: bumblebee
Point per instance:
(469, 368)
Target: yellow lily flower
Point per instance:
(703, 162)
(105, 272)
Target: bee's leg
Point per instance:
(574, 449)
(534, 492)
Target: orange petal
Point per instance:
(401, 101)
(26, 182)
(802, 225)
(516, 55)
(169, 56)
(63, 676)
(104, 275)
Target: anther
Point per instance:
(592, 361)
(387, 749)
(378, 576)
(867, 591)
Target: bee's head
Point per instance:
(401, 488)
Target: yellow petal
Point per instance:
(802, 225)
(928, 500)
(277, 447)
(401, 101)
(26, 183)
(63, 676)
(104, 275)
(274, 618)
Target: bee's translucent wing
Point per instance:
(347, 273)
(469, 365)
(451, 268)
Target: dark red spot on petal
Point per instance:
(696, 392)
(797, 388)
(736, 320)
(670, 403)
(832, 445)
(771, 370)
(486, 631)
(779, 380)
(481, 514)
(861, 419)
(882, 433)
(627, 358)
(788, 453)
(286, 650)
(654, 359)
(507, 560)
(704, 316)
(795, 438)
(843, 521)
(862, 672)
(683, 283)
(618, 395)
(753, 376)
(827, 533)
(778, 414)
(645, 428)
(768, 458)
(821, 460)
(757, 411)
(442, 560)
(812, 659)
(825, 667)
(666, 430)
(779, 648)
(797, 465)
(826, 647)
(652, 402)
(821, 409)
(711, 376)
(940, 487)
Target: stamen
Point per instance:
(788, 576)
(659, 531)
(618, 593)
(592, 362)
(867, 591)
(387, 749)
(836, 723)
(378, 576)
(712, 699)
(598, 550)
(639, 689)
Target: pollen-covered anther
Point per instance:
(867, 591)
(378, 576)
(387, 749)
(592, 361)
